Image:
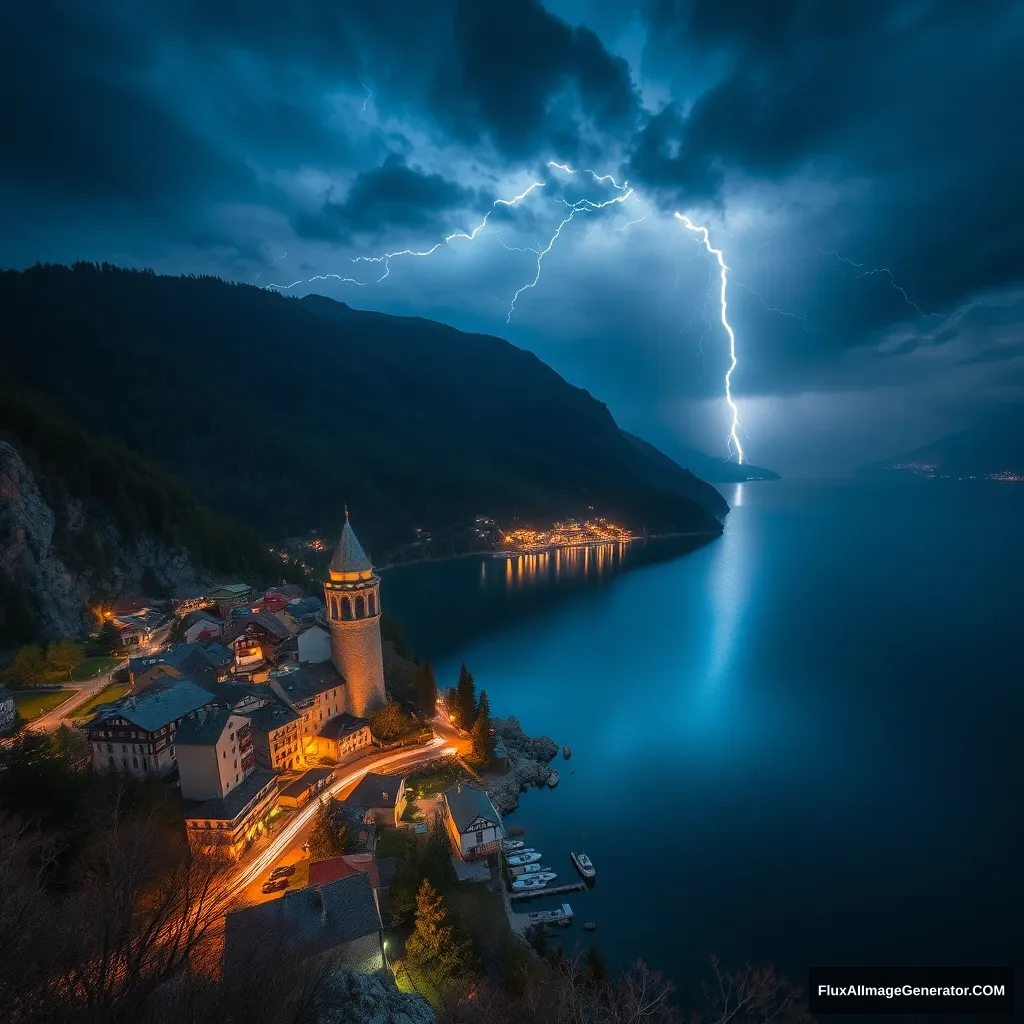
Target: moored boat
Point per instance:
(511, 845)
(532, 882)
(584, 865)
(561, 916)
(526, 869)
(553, 779)
(524, 858)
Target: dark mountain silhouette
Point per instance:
(704, 466)
(278, 411)
(993, 445)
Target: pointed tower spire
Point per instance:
(346, 513)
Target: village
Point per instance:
(318, 765)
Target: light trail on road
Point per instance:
(290, 831)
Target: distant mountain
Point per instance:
(279, 411)
(707, 467)
(991, 447)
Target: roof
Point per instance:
(341, 725)
(322, 872)
(361, 835)
(264, 619)
(155, 709)
(349, 555)
(228, 808)
(203, 730)
(466, 803)
(201, 615)
(310, 920)
(307, 780)
(218, 655)
(308, 680)
(273, 716)
(234, 589)
(292, 591)
(307, 608)
(376, 790)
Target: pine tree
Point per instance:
(426, 689)
(434, 945)
(483, 739)
(465, 707)
(109, 639)
(328, 837)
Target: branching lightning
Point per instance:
(622, 193)
(735, 447)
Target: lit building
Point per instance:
(473, 824)
(137, 735)
(381, 796)
(7, 710)
(277, 737)
(352, 596)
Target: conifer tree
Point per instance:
(483, 740)
(426, 689)
(434, 945)
(328, 837)
(465, 700)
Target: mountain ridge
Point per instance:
(279, 411)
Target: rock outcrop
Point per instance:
(351, 998)
(528, 760)
(33, 564)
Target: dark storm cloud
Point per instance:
(393, 195)
(918, 99)
(81, 120)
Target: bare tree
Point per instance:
(753, 996)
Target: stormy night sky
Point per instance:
(274, 142)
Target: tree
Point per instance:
(426, 689)
(389, 722)
(483, 737)
(465, 700)
(109, 639)
(329, 836)
(596, 970)
(64, 657)
(28, 667)
(434, 945)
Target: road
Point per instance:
(61, 715)
(291, 833)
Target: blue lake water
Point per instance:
(798, 744)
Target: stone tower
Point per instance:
(352, 596)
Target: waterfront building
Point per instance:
(473, 824)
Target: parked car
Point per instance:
(284, 871)
(275, 885)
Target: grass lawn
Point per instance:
(109, 693)
(33, 703)
(435, 778)
(92, 667)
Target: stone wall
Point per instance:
(356, 653)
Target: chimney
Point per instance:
(323, 906)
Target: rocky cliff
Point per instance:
(43, 583)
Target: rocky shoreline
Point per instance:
(528, 764)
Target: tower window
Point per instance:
(360, 607)
(373, 603)
(346, 608)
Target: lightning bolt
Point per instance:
(733, 440)
(623, 192)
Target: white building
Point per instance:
(314, 645)
(474, 825)
(215, 753)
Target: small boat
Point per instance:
(509, 845)
(553, 779)
(526, 869)
(561, 916)
(584, 865)
(590, 926)
(533, 881)
(566, 752)
(524, 858)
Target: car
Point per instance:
(275, 885)
(284, 871)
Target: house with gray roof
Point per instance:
(383, 796)
(136, 735)
(226, 826)
(473, 824)
(340, 918)
(277, 736)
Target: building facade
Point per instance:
(8, 713)
(473, 824)
(352, 597)
(215, 754)
(277, 737)
(137, 736)
(226, 826)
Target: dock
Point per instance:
(528, 894)
(562, 916)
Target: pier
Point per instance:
(528, 894)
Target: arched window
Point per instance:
(334, 607)
(346, 608)
(373, 603)
(360, 607)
